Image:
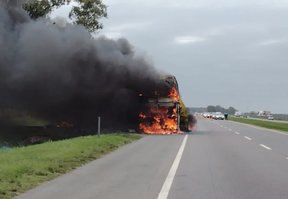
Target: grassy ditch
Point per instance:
(25, 167)
(266, 124)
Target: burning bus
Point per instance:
(164, 112)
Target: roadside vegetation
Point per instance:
(266, 124)
(84, 12)
(23, 168)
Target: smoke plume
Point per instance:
(63, 74)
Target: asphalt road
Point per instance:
(221, 160)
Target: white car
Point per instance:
(218, 116)
(207, 115)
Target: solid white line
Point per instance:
(286, 158)
(266, 147)
(247, 138)
(169, 179)
(237, 133)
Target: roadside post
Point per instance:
(99, 126)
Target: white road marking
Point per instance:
(247, 138)
(229, 129)
(266, 147)
(237, 133)
(169, 179)
(286, 158)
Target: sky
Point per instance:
(225, 52)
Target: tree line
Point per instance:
(83, 12)
(230, 110)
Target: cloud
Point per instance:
(272, 42)
(238, 37)
(129, 26)
(120, 30)
(215, 32)
(188, 39)
(224, 3)
(63, 11)
(200, 3)
(113, 35)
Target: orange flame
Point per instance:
(174, 94)
(160, 122)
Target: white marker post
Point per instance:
(99, 126)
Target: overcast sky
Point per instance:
(225, 52)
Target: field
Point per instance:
(262, 123)
(23, 168)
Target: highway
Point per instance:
(219, 160)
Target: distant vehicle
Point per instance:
(218, 116)
(213, 115)
(207, 115)
(270, 117)
(238, 114)
(264, 113)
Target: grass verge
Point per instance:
(266, 124)
(25, 167)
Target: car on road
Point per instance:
(218, 116)
(207, 115)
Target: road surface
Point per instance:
(219, 160)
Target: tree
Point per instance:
(183, 113)
(185, 117)
(230, 110)
(211, 108)
(86, 12)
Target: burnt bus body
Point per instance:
(164, 112)
(160, 113)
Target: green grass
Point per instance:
(266, 124)
(25, 167)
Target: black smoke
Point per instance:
(64, 74)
